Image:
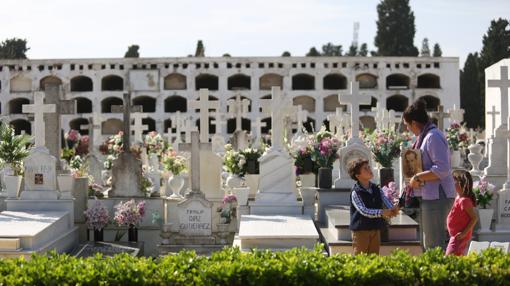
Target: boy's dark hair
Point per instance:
(465, 181)
(354, 167)
(417, 112)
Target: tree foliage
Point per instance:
(425, 50)
(331, 50)
(313, 52)
(200, 50)
(437, 51)
(470, 97)
(286, 54)
(395, 29)
(132, 52)
(13, 49)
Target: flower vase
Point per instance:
(98, 235)
(252, 167)
(132, 233)
(175, 183)
(234, 181)
(475, 157)
(307, 165)
(455, 158)
(325, 178)
(386, 175)
(307, 180)
(485, 216)
(12, 185)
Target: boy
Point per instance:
(367, 209)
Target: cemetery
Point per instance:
(252, 170)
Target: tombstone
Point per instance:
(92, 159)
(240, 140)
(276, 193)
(126, 169)
(177, 123)
(355, 148)
(154, 174)
(456, 114)
(257, 125)
(497, 85)
(237, 108)
(204, 105)
(217, 140)
(379, 115)
(188, 127)
(440, 116)
(138, 127)
(40, 175)
(127, 109)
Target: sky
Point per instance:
(105, 28)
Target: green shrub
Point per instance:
(232, 267)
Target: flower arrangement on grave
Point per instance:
(484, 191)
(233, 161)
(129, 213)
(391, 192)
(145, 183)
(95, 190)
(252, 156)
(13, 149)
(78, 167)
(384, 144)
(82, 148)
(303, 161)
(72, 138)
(97, 216)
(227, 209)
(325, 148)
(174, 163)
(75, 145)
(154, 143)
(457, 137)
(113, 145)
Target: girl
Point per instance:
(462, 217)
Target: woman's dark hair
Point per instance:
(417, 112)
(465, 181)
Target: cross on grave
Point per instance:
(237, 108)
(456, 114)
(393, 119)
(440, 116)
(503, 84)
(204, 105)
(218, 122)
(302, 116)
(335, 122)
(506, 185)
(258, 124)
(281, 106)
(38, 108)
(493, 114)
(354, 99)
(188, 127)
(126, 109)
(379, 115)
(194, 148)
(138, 127)
(177, 123)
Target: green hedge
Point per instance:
(231, 267)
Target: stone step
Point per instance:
(402, 227)
(10, 244)
(276, 232)
(34, 230)
(336, 246)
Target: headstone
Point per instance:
(39, 109)
(138, 127)
(238, 108)
(440, 116)
(188, 127)
(276, 193)
(492, 114)
(240, 140)
(456, 114)
(94, 164)
(257, 125)
(379, 115)
(177, 123)
(354, 99)
(40, 175)
(155, 173)
(204, 105)
(393, 120)
(126, 110)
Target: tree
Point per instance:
(363, 50)
(425, 50)
(226, 55)
(286, 54)
(313, 52)
(470, 97)
(330, 50)
(395, 29)
(13, 49)
(437, 50)
(353, 51)
(132, 52)
(200, 51)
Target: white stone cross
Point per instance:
(38, 109)
(204, 105)
(354, 99)
(188, 127)
(493, 114)
(440, 115)
(126, 108)
(138, 127)
(393, 119)
(456, 114)
(194, 148)
(237, 108)
(258, 124)
(219, 121)
(503, 84)
(280, 107)
(177, 123)
(379, 115)
(302, 117)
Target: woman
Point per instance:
(435, 184)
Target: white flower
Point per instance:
(241, 162)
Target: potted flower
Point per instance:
(154, 143)
(484, 192)
(235, 164)
(13, 150)
(130, 214)
(385, 146)
(324, 154)
(458, 140)
(252, 156)
(97, 218)
(227, 209)
(176, 165)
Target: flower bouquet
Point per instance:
(384, 144)
(484, 191)
(252, 156)
(129, 213)
(457, 137)
(154, 143)
(227, 209)
(324, 152)
(173, 163)
(72, 138)
(96, 216)
(233, 161)
(391, 192)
